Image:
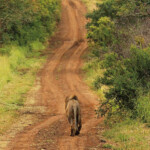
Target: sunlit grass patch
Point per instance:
(5, 71)
(129, 135)
(93, 70)
(17, 74)
(91, 4)
(12, 98)
(143, 108)
(36, 46)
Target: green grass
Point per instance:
(129, 135)
(92, 71)
(17, 74)
(108, 146)
(5, 71)
(143, 108)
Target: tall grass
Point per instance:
(17, 73)
(5, 71)
(128, 135)
(143, 108)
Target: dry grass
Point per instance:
(91, 4)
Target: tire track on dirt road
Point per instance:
(60, 77)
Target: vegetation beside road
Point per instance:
(25, 27)
(118, 68)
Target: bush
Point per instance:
(116, 25)
(125, 78)
(103, 33)
(120, 9)
(26, 21)
(123, 54)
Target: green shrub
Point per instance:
(125, 78)
(120, 9)
(103, 33)
(26, 21)
(115, 24)
(126, 68)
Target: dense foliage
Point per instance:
(119, 9)
(25, 21)
(119, 38)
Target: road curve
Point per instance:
(60, 77)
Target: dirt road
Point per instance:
(61, 76)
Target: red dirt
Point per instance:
(60, 77)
